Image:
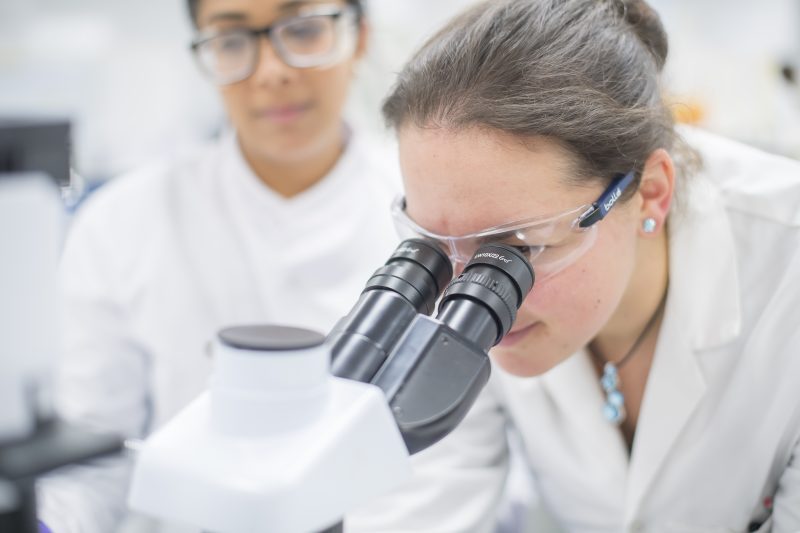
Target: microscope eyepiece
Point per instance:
(497, 279)
(418, 270)
(430, 369)
(409, 283)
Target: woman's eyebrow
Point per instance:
(236, 16)
(294, 5)
(227, 16)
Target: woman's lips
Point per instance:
(514, 336)
(284, 114)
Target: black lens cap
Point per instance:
(270, 338)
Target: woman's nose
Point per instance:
(271, 70)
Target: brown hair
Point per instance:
(585, 73)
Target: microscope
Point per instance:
(297, 428)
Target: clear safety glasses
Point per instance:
(317, 38)
(551, 242)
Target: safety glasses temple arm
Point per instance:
(610, 196)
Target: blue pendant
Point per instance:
(614, 408)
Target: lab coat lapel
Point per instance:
(702, 312)
(674, 388)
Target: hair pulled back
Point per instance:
(585, 73)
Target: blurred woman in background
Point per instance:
(282, 220)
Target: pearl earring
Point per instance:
(649, 225)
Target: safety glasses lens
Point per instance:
(550, 246)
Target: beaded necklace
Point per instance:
(614, 407)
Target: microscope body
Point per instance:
(297, 429)
(277, 443)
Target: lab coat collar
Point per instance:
(314, 202)
(703, 260)
(702, 312)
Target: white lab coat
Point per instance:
(719, 427)
(157, 262)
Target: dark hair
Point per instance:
(585, 73)
(194, 4)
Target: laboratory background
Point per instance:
(122, 73)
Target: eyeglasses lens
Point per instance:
(308, 37)
(229, 57)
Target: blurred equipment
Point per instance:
(279, 444)
(34, 160)
(35, 146)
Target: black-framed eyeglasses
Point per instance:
(317, 38)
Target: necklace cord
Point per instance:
(644, 332)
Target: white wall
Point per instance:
(725, 58)
(120, 69)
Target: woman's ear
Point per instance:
(656, 190)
